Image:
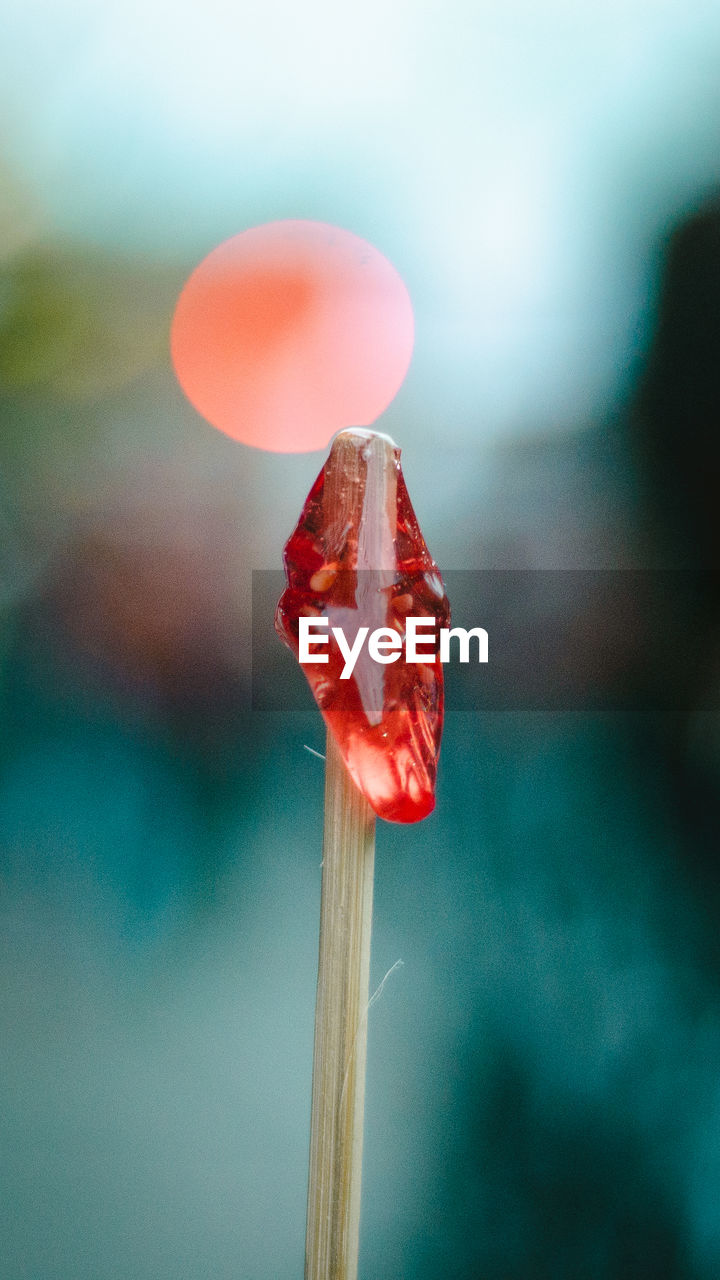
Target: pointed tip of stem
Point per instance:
(364, 434)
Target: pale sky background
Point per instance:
(516, 162)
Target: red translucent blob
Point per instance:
(291, 331)
(386, 719)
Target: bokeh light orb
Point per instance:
(290, 331)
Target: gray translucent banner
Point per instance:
(557, 640)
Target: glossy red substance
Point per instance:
(386, 719)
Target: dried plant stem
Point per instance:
(338, 1095)
(362, 465)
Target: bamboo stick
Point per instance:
(340, 1028)
(360, 501)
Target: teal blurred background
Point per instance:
(543, 1096)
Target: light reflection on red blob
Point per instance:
(291, 331)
